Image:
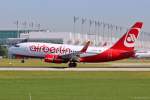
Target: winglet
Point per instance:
(85, 47)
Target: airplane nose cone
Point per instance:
(10, 49)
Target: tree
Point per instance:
(3, 51)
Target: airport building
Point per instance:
(5, 34)
(58, 37)
(14, 36)
(45, 36)
(11, 37)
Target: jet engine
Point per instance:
(51, 58)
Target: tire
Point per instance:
(72, 65)
(22, 61)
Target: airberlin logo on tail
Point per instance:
(131, 38)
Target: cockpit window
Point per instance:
(16, 45)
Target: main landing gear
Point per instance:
(72, 64)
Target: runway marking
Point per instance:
(74, 69)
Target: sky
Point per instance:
(57, 15)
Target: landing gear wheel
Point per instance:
(72, 65)
(22, 61)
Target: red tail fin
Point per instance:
(127, 41)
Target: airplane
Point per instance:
(71, 54)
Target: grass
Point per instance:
(44, 85)
(41, 63)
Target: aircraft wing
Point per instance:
(76, 55)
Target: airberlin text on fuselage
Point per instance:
(46, 49)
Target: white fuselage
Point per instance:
(39, 50)
(34, 49)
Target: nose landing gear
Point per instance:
(22, 61)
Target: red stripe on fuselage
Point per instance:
(108, 55)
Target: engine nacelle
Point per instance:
(51, 58)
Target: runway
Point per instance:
(75, 69)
